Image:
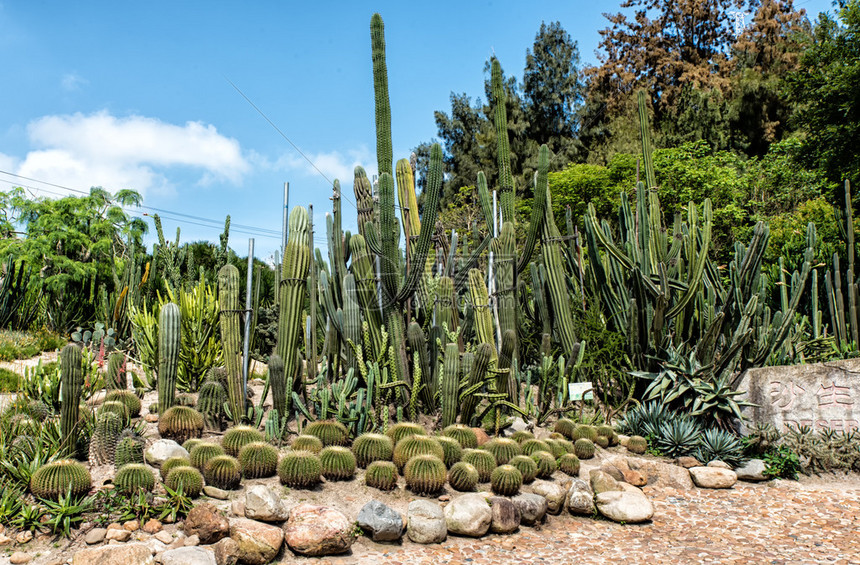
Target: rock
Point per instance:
(482, 436)
(191, 541)
(580, 499)
(127, 554)
(262, 503)
(425, 522)
(554, 494)
(118, 534)
(226, 552)
(612, 471)
(24, 537)
(468, 515)
(634, 478)
(622, 440)
(207, 523)
(114, 526)
(717, 464)
(257, 543)
(188, 556)
(661, 475)
(713, 477)
(601, 481)
(629, 506)
(237, 507)
(506, 517)
(752, 471)
(151, 418)
(5, 540)
(687, 462)
(132, 525)
(444, 498)
(19, 557)
(532, 508)
(94, 536)
(152, 526)
(318, 530)
(216, 493)
(164, 537)
(162, 450)
(155, 546)
(517, 425)
(380, 522)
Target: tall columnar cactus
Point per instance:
(503, 150)
(384, 152)
(644, 131)
(483, 357)
(115, 378)
(504, 250)
(72, 380)
(278, 383)
(294, 271)
(168, 355)
(231, 336)
(363, 199)
(483, 317)
(450, 385)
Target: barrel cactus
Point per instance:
(506, 480)
(173, 462)
(530, 446)
(300, 469)
(238, 437)
(463, 434)
(127, 398)
(381, 475)
(55, 479)
(606, 431)
(463, 477)
(546, 464)
(329, 432)
(482, 460)
(569, 464)
(452, 449)
(307, 443)
(192, 443)
(372, 447)
(522, 436)
(503, 449)
(402, 430)
(115, 407)
(189, 479)
(602, 441)
(584, 448)
(180, 423)
(526, 466)
(201, 453)
(583, 431)
(210, 403)
(565, 427)
(223, 471)
(258, 460)
(128, 450)
(104, 438)
(134, 477)
(413, 445)
(425, 474)
(338, 463)
(556, 448)
(637, 444)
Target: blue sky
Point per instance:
(137, 95)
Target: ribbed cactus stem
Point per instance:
(278, 382)
(294, 270)
(351, 321)
(169, 336)
(228, 298)
(363, 198)
(645, 133)
(538, 203)
(504, 250)
(556, 279)
(503, 150)
(450, 384)
(72, 380)
(384, 152)
(483, 356)
(481, 303)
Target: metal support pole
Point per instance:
(247, 345)
(285, 227)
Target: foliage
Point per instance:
(9, 381)
(24, 345)
(65, 513)
(781, 463)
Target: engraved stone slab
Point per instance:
(820, 395)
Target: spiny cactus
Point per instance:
(238, 437)
(128, 450)
(115, 378)
(530, 446)
(223, 471)
(463, 477)
(192, 443)
(637, 444)
(300, 469)
(556, 448)
(451, 384)
(258, 460)
(185, 399)
(425, 474)
(115, 407)
(173, 462)
(410, 446)
(506, 480)
(168, 354)
(404, 429)
(503, 449)
(522, 436)
(565, 427)
(127, 398)
(584, 448)
(210, 403)
(569, 464)
(482, 460)
(372, 447)
(292, 291)
(278, 383)
(330, 432)
(602, 441)
(464, 435)
(451, 447)
(55, 479)
(188, 478)
(307, 443)
(71, 382)
(180, 423)
(546, 464)
(556, 435)
(103, 442)
(134, 477)
(338, 463)
(527, 466)
(605, 430)
(381, 475)
(228, 302)
(201, 453)
(584, 431)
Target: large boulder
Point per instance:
(318, 530)
(226, 552)
(713, 477)
(752, 471)
(207, 523)
(469, 515)
(629, 505)
(553, 492)
(122, 554)
(661, 475)
(262, 503)
(380, 521)
(258, 543)
(162, 450)
(580, 499)
(188, 556)
(425, 522)
(506, 517)
(601, 481)
(532, 508)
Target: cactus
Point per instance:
(451, 447)
(482, 460)
(231, 337)
(381, 475)
(115, 379)
(238, 437)
(300, 469)
(126, 397)
(192, 443)
(72, 380)
(294, 270)
(338, 463)
(307, 443)
(506, 480)
(134, 477)
(258, 460)
(425, 474)
(521, 436)
(189, 479)
(527, 466)
(584, 448)
(484, 328)
(169, 335)
(173, 462)
(223, 471)
(464, 435)
(56, 479)
(210, 403)
(180, 423)
(418, 343)
(463, 477)
(372, 447)
(384, 152)
(114, 407)
(556, 448)
(201, 454)
(410, 446)
(637, 444)
(329, 432)
(483, 357)
(602, 441)
(103, 442)
(503, 449)
(565, 426)
(569, 464)
(546, 464)
(403, 430)
(278, 383)
(450, 384)
(129, 450)
(605, 431)
(584, 431)
(530, 446)
(503, 152)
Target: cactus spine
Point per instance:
(168, 355)
(450, 384)
(72, 380)
(228, 298)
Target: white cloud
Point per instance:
(73, 81)
(333, 164)
(134, 152)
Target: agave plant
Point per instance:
(645, 420)
(679, 436)
(722, 445)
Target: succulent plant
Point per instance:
(403, 430)
(722, 445)
(606, 431)
(679, 436)
(307, 443)
(527, 466)
(584, 431)
(114, 407)
(185, 399)
(637, 444)
(173, 462)
(451, 447)
(128, 450)
(71, 382)
(180, 423)
(37, 410)
(191, 444)
(134, 477)
(602, 441)
(556, 435)
(425, 474)
(506, 480)
(370, 447)
(258, 460)
(201, 453)
(463, 477)
(522, 436)
(556, 448)
(238, 437)
(153, 408)
(188, 478)
(338, 463)
(381, 475)
(565, 426)
(210, 403)
(413, 445)
(464, 435)
(55, 479)
(126, 397)
(104, 438)
(503, 449)
(483, 461)
(584, 448)
(329, 432)
(546, 464)
(530, 446)
(223, 471)
(569, 464)
(300, 469)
